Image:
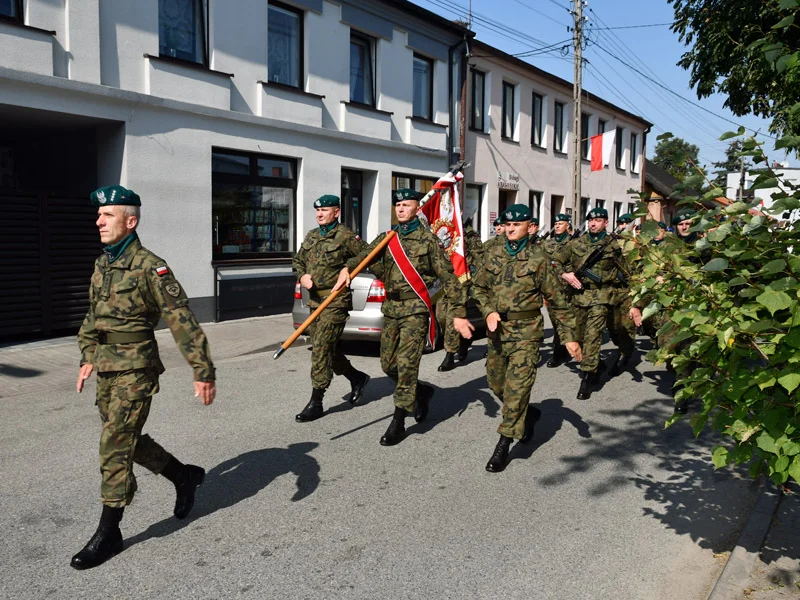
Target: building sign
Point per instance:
(507, 180)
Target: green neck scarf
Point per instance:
(597, 237)
(406, 228)
(689, 239)
(560, 237)
(115, 251)
(326, 229)
(514, 248)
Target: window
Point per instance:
(423, 87)
(472, 205)
(620, 149)
(535, 204)
(11, 8)
(284, 45)
(352, 199)
(585, 136)
(252, 204)
(509, 119)
(601, 126)
(362, 69)
(558, 133)
(617, 212)
(584, 210)
(478, 94)
(182, 30)
(631, 207)
(634, 153)
(537, 125)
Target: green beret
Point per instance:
(115, 195)
(597, 213)
(534, 220)
(684, 215)
(326, 200)
(662, 225)
(406, 194)
(563, 217)
(498, 221)
(517, 212)
(625, 219)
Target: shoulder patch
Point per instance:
(162, 270)
(173, 289)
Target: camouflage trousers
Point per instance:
(619, 319)
(326, 357)
(511, 371)
(123, 399)
(402, 343)
(445, 311)
(592, 322)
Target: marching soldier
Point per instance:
(619, 315)
(131, 288)
(322, 255)
(499, 226)
(456, 346)
(509, 287)
(682, 223)
(409, 266)
(595, 267)
(554, 247)
(533, 231)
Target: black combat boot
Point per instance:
(423, 398)
(313, 410)
(587, 381)
(397, 428)
(448, 364)
(500, 457)
(620, 364)
(558, 357)
(105, 543)
(186, 479)
(358, 381)
(463, 350)
(533, 415)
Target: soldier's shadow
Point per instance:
(240, 478)
(454, 401)
(553, 416)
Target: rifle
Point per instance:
(582, 229)
(585, 270)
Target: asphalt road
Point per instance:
(603, 504)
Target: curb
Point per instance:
(735, 575)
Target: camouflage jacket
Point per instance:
(612, 268)
(130, 295)
(323, 257)
(474, 249)
(430, 261)
(508, 284)
(556, 252)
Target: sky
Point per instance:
(520, 26)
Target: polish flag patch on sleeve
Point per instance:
(162, 270)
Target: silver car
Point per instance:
(366, 319)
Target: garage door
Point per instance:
(48, 244)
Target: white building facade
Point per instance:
(227, 118)
(786, 176)
(520, 142)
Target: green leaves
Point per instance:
(774, 301)
(790, 381)
(716, 264)
(719, 456)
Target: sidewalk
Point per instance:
(53, 364)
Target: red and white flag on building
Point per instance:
(601, 149)
(442, 210)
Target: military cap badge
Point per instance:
(115, 195)
(326, 201)
(516, 212)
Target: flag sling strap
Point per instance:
(415, 281)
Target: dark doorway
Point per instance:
(352, 199)
(505, 199)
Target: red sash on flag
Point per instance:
(415, 281)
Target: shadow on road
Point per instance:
(686, 494)
(553, 416)
(240, 478)
(22, 372)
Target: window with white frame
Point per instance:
(182, 30)
(478, 97)
(285, 45)
(620, 148)
(535, 203)
(362, 69)
(537, 120)
(423, 87)
(509, 117)
(585, 136)
(601, 126)
(634, 153)
(11, 9)
(617, 211)
(559, 124)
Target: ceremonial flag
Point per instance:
(601, 149)
(442, 210)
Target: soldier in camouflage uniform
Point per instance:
(592, 300)
(405, 315)
(510, 286)
(533, 231)
(316, 265)
(554, 247)
(456, 346)
(618, 316)
(131, 290)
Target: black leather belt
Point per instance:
(132, 337)
(520, 315)
(397, 296)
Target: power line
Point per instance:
(558, 45)
(633, 26)
(522, 4)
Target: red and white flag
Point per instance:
(442, 210)
(601, 149)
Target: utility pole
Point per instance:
(577, 40)
(741, 179)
